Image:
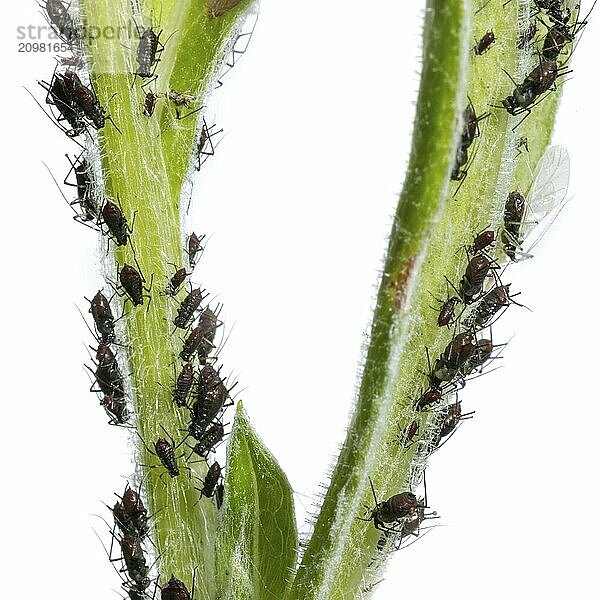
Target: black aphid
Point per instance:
(60, 20)
(446, 315)
(148, 49)
(133, 284)
(183, 385)
(176, 282)
(188, 307)
(191, 344)
(452, 360)
(208, 440)
(194, 247)
(85, 100)
(130, 514)
(514, 211)
(116, 408)
(166, 454)
(213, 476)
(134, 559)
(482, 241)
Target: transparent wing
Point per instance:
(548, 190)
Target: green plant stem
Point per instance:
(144, 163)
(433, 225)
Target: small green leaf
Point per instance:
(257, 540)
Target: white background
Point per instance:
(298, 203)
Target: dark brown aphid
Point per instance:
(116, 222)
(133, 284)
(428, 398)
(213, 476)
(487, 308)
(108, 375)
(394, 509)
(194, 247)
(60, 20)
(469, 133)
(454, 357)
(409, 433)
(85, 100)
(482, 353)
(212, 398)
(191, 344)
(484, 43)
(176, 282)
(514, 211)
(135, 561)
(183, 385)
(453, 417)
(446, 315)
(131, 515)
(471, 285)
(220, 494)
(103, 317)
(555, 41)
(60, 95)
(150, 103)
(174, 590)
(187, 308)
(538, 82)
(482, 241)
(147, 51)
(208, 440)
(116, 408)
(209, 321)
(526, 36)
(166, 454)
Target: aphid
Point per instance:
(133, 284)
(116, 222)
(446, 315)
(541, 80)
(453, 417)
(208, 440)
(116, 408)
(60, 20)
(107, 374)
(482, 241)
(545, 199)
(150, 103)
(84, 185)
(166, 454)
(209, 321)
(469, 133)
(216, 8)
(103, 317)
(454, 357)
(220, 494)
(194, 247)
(181, 98)
(481, 354)
(212, 397)
(409, 433)
(191, 344)
(526, 36)
(484, 43)
(184, 384)
(60, 95)
(394, 509)
(135, 561)
(176, 282)
(130, 514)
(147, 51)
(85, 100)
(175, 590)
(213, 476)
(489, 306)
(187, 308)
(471, 285)
(428, 398)
(205, 146)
